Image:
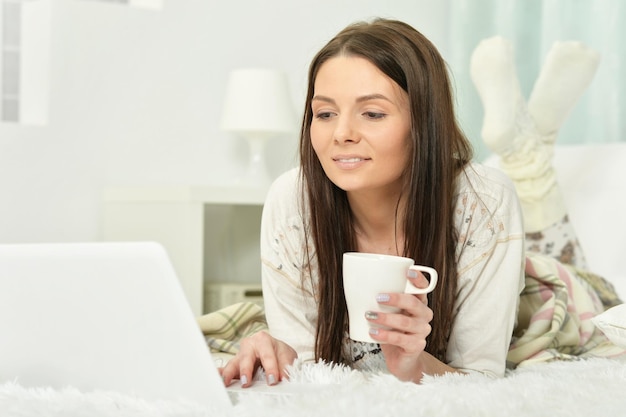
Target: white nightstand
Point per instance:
(211, 234)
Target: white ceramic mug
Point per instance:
(365, 275)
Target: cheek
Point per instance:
(399, 147)
(317, 138)
(398, 156)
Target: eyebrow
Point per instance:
(360, 99)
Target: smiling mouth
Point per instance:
(350, 160)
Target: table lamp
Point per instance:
(257, 107)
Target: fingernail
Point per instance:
(412, 273)
(271, 379)
(382, 298)
(371, 315)
(373, 330)
(244, 380)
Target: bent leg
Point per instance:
(523, 135)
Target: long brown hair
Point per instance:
(439, 151)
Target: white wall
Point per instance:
(136, 98)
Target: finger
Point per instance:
(230, 371)
(286, 357)
(423, 298)
(403, 323)
(413, 341)
(419, 280)
(407, 302)
(413, 314)
(410, 343)
(248, 359)
(269, 358)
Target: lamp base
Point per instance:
(257, 174)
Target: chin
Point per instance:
(352, 184)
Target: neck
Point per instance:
(378, 221)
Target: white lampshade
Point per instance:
(258, 106)
(258, 102)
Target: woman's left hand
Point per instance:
(404, 343)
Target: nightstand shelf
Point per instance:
(211, 233)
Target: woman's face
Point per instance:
(361, 124)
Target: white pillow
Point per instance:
(613, 324)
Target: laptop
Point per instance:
(102, 317)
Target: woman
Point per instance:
(386, 169)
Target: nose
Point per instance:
(345, 131)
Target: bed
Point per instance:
(583, 388)
(593, 179)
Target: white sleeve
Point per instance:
(290, 306)
(490, 272)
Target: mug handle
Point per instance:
(412, 289)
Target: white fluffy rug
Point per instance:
(583, 388)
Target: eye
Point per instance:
(374, 115)
(324, 115)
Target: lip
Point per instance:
(350, 161)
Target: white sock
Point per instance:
(492, 68)
(524, 135)
(567, 71)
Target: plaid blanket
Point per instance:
(554, 320)
(223, 329)
(556, 308)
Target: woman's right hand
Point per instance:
(263, 350)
